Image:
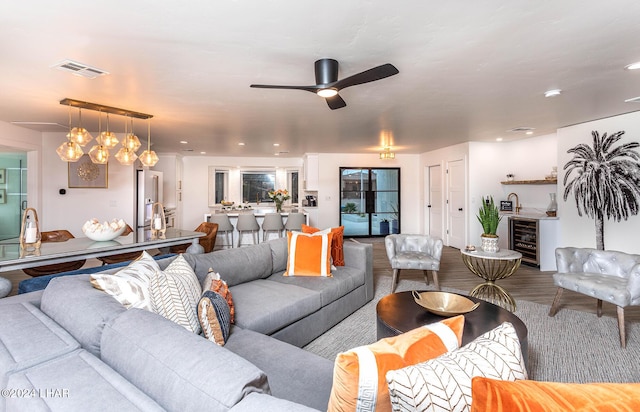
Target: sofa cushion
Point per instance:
(180, 370)
(238, 265)
(214, 316)
(444, 383)
(80, 309)
(279, 252)
(130, 285)
(77, 381)
(309, 254)
(266, 403)
(531, 396)
(359, 374)
(337, 241)
(344, 280)
(264, 306)
(308, 382)
(29, 337)
(174, 293)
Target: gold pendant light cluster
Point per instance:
(78, 137)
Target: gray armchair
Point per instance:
(603, 274)
(420, 252)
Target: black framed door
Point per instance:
(370, 201)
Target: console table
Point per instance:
(492, 267)
(84, 248)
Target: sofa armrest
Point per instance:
(360, 256)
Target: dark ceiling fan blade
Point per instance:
(371, 75)
(312, 89)
(335, 102)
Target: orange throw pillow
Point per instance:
(359, 374)
(309, 254)
(532, 396)
(337, 251)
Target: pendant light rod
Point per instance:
(106, 109)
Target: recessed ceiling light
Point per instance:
(276, 144)
(183, 141)
(632, 66)
(203, 152)
(498, 139)
(530, 132)
(241, 144)
(552, 93)
(276, 154)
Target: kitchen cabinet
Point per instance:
(311, 172)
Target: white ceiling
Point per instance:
(469, 71)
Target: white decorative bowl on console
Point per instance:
(105, 231)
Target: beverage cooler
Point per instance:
(524, 238)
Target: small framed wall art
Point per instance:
(506, 206)
(3, 176)
(87, 175)
(3, 196)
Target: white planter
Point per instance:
(490, 244)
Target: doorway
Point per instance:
(370, 201)
(13, 193)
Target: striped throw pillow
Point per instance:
(359, 374)
(215, 317)
(309, 254)
(444, 383)
(175, 293)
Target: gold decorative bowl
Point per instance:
(444, 303)
(226, 203)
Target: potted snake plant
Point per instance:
(489, 217)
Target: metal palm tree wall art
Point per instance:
(606, 182)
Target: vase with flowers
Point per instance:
(278, 197)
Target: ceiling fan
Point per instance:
(328, 85)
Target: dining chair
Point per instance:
(122, 257)
(55, 236)
(207, 242)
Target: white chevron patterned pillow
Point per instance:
(175, 293)
(129, 286)
(444, 383)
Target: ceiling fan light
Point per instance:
(327, 92)
(69, 151)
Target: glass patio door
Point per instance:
(13, 193)
(369, 201)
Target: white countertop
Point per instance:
(537, 214)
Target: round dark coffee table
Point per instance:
(398, 313)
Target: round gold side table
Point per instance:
(492, 267)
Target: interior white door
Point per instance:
(434, 202)
(456, 222)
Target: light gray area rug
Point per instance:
(570, 347)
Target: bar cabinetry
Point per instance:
(524, 237)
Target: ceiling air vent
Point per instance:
(521, 129)
(80, 69)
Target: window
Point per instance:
(256, 185)
(292, 185)
(218, 185)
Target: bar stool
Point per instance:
(295, 221)
(224, 227)
(247, 222)
(272, 223)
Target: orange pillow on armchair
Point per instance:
(337, 252)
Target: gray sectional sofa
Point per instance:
(71, 347)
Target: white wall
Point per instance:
(411, 183)
(71, 210)
(580, 231)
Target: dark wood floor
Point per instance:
(528, 283)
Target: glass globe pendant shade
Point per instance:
(99, 154)
(69, 151)
(80, 135)
(126, 156)
(131, 142)
(108, 138)
(148, 158)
